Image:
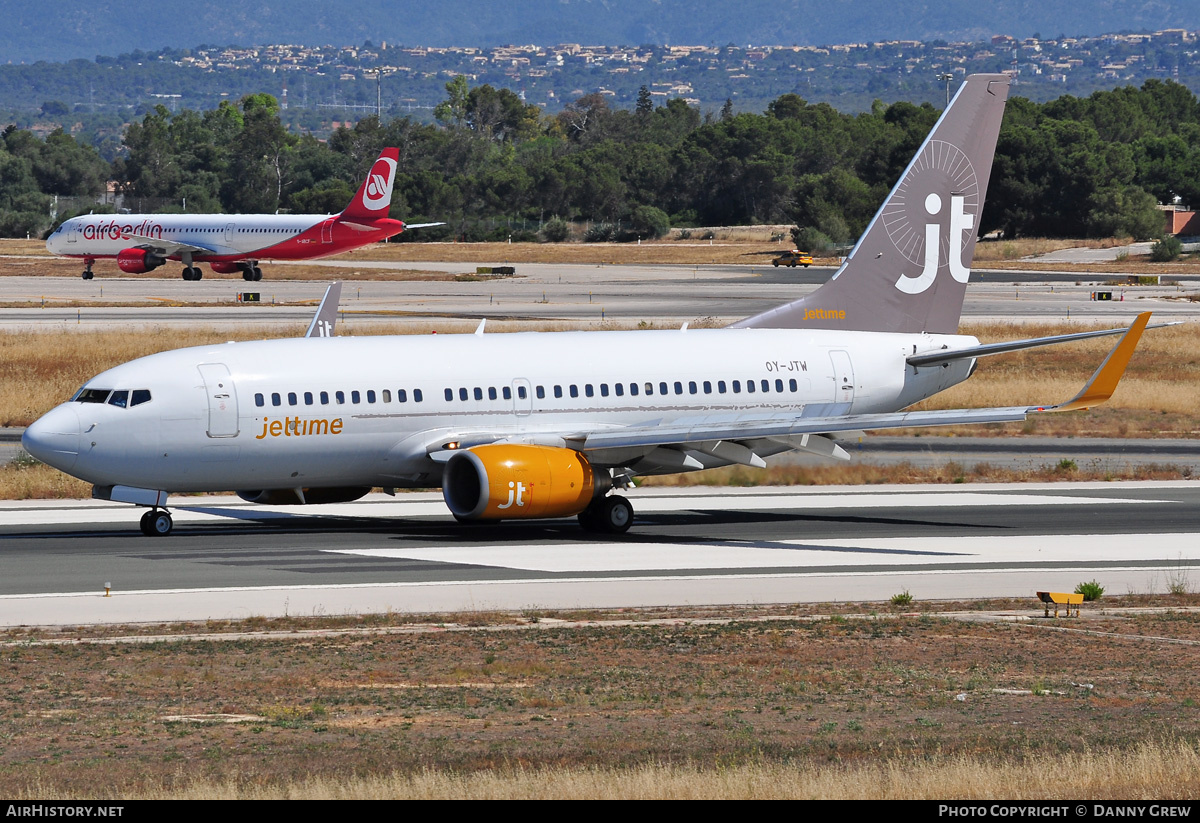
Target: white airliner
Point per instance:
(233, 242)
(540, 425)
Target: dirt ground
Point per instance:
(711, 688)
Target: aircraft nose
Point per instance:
(54, 438)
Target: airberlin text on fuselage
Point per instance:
(113, 230)
(295, 427)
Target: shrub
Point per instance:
(555, 231)
(904, 598)
(600, 233)
(649, 222)
(811, 240)
(1166, 249)
(1090, 591)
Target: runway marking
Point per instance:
(584, 558)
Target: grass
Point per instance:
(822, 701)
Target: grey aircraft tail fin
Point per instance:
(909, 270)
(326, 316)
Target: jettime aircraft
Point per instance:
(233, 242)
(541, 425)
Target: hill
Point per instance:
(81, 29)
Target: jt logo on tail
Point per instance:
(960, 221)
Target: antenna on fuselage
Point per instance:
(326, 316)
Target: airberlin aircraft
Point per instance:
(233, 242)
(544, 425)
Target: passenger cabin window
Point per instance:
(292, 398)
(619, 388)
(507, 392)
(522, 393)
(574, 390)
(558, 391)
(678, 388)
(401, 396)
(259, 400)
(386, 394)
(417, 398)
(340, 397)
(477, 392)
(308, 398)
(355, 397)
(119, 399)
(462, 394)
(370, 395)
(449, 395)
(541, 392)
(492, 393)
(276, 400)
(324, 398)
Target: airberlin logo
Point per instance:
(113, 230)
(377, 194)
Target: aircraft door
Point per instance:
(229, 232)
(843, 377)
(222, 400)
(522, 397)
(327, 231)
(73, 234)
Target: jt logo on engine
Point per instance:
(516, 494)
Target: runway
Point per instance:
(229, 559)
(583, 296)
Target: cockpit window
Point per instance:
(119, 398)
(92, 395)
(140, 396)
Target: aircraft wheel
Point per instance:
(156, 523)
(257, 273)
(614, 515)
(187, 273)
(248, 275)
(197, 273)
(87, 274)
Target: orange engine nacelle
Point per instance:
(511, 481)
(138, 261)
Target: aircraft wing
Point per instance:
(165, 249)
(727, 427)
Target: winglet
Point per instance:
(326, 316)
(1104, 382)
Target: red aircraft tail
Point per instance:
(374, 196)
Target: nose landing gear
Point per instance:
(87, 268)
(157, 523)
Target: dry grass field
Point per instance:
(856, 700)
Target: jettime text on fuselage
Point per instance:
(296, 427)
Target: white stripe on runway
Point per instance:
(585, 558)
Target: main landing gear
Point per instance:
(251, 272)
(192, 273)
(157, 523)
(608, 515)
